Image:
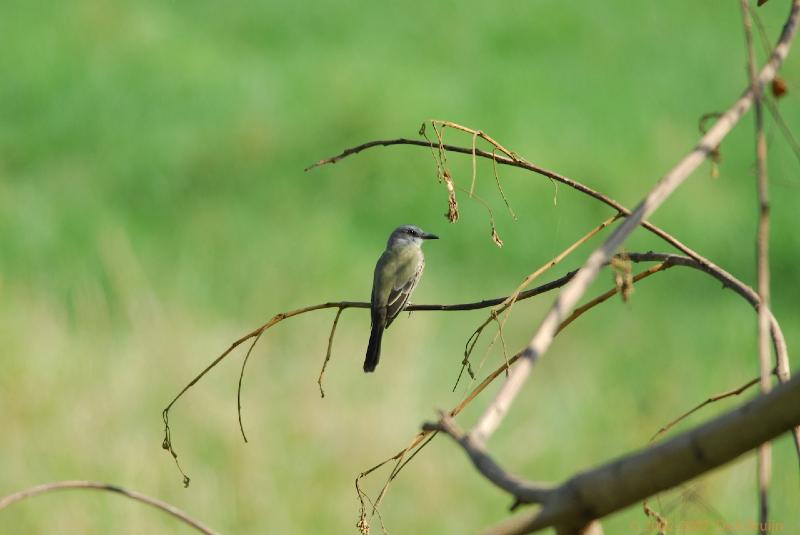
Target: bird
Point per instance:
(397, 273)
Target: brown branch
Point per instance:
(93, 485)
(610, 293)
(716, 397)
(328, 352)
(572, 292)
(762, 262)
(707, 265)
(613, 486)
(665, 261)
(425, 436)
(732, 283)
(523, 164)
(523, 491)
(509, 301)
(255, 335)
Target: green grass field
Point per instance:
(154, 208)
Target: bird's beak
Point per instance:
(427, 236)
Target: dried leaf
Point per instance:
(452, 203)
(496, 237)
(779, 87)
(623, 276)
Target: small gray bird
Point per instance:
(396, 274)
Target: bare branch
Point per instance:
(611, 487)
(255, 335)
(328, 352)
(579, 311)
(93, 485)
(707, 265)
(666, 260)
(523, 491)
(716, 397)
(425, 436)
(494, 413)
(509, 301)
(762, 262)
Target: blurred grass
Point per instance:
(153, 208)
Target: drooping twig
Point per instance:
(246, 359)
(499, 186)
(715, 155)
(493, 227)
(94, 485)
(255, 335)
(328, 352)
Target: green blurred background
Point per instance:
(153, 208)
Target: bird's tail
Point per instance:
(374, 346)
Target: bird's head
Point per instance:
(409, 235)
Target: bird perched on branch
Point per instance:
(396, 275)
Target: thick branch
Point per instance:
(93, 485)
(613, 486)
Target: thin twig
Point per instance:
(328, 352)
(716, 397)
(508, 303)
(255, 335)
(764, 457)
(499, 186)
(94, 485)
(241, 378)
(610, 293)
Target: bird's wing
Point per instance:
(398, 297)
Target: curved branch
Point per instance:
(93, 485)
(732, 283)
(543, 337)
(707, 265)
(523, 491)
(255, 335)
